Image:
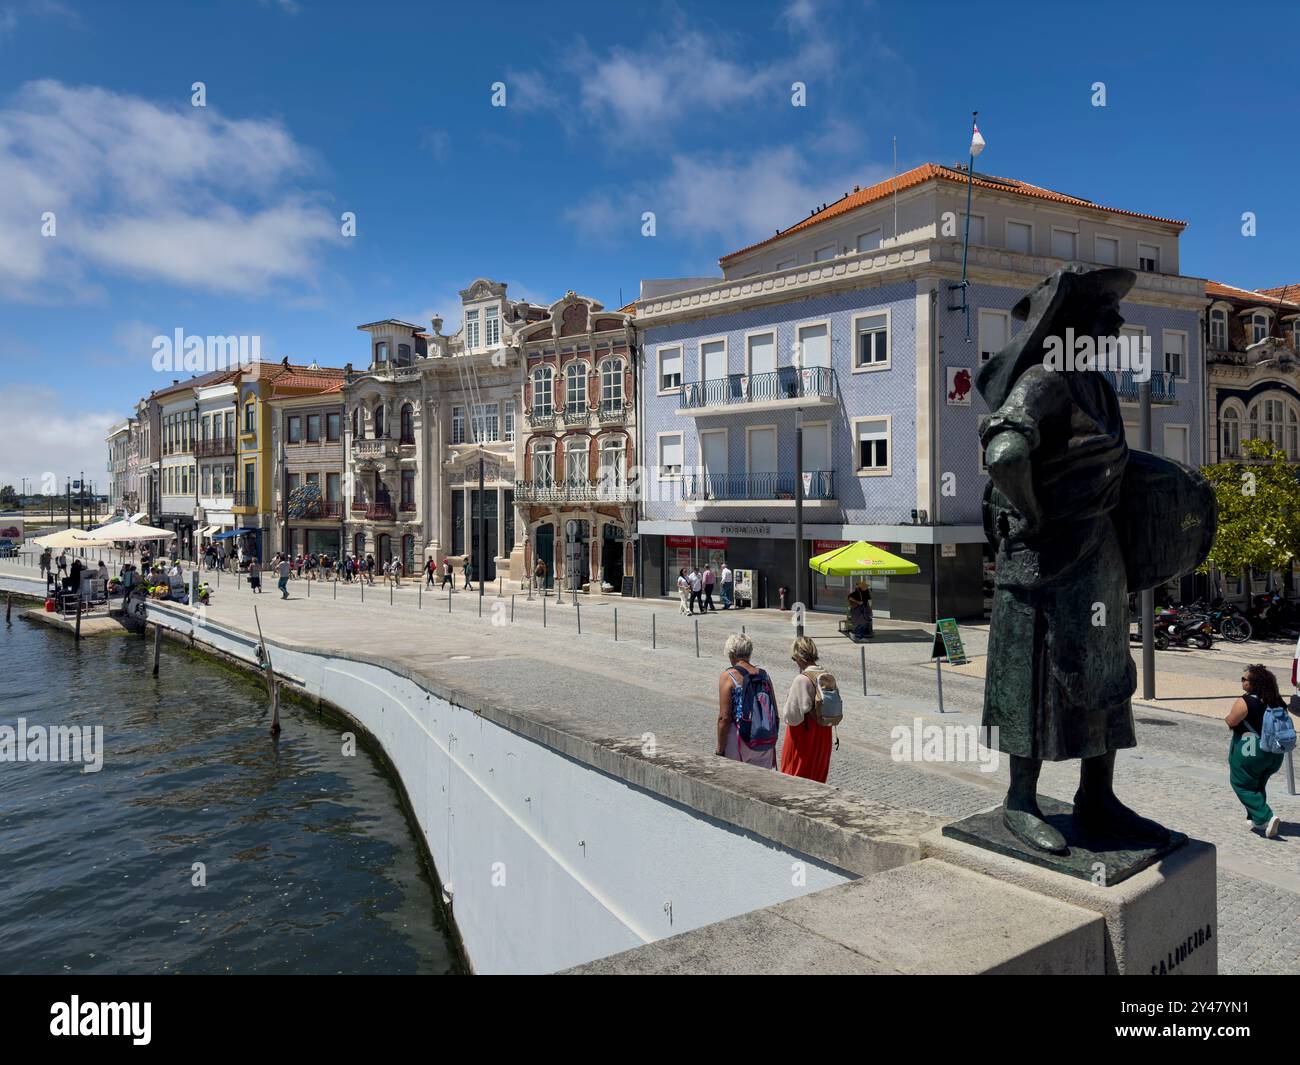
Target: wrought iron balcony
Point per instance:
(819, 486)
(575, 414)
(781, 387)
(612, 412)
(408, 507)
(539, 420)
(574, 491)
(1127, 386)
(319, 510)
(215, 448)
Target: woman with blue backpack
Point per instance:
(1262, 732)
(748, 720)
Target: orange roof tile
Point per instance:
(1287, 292)
(934, 172)
(1248, 295)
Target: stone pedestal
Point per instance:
(1161, 917)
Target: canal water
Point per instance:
(310, 864)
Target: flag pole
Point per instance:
(970, 186)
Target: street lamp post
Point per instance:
(798, 521)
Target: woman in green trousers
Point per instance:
(1250, 765)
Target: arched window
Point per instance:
(576, 449)
(612, 462)
(1230, 425)
(384, 549)
(408, 424)
(575, 388)
(379, 421)
(1292, 439)
(408, 554)
(359, 545)
(356, 414)
(1266, 421)
(1219, 329)
(611, 385)
(544, 462)
(543, 392)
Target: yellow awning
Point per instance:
(861, 557)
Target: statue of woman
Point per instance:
(1060, 674)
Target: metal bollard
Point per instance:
(578, 607)
(616, 624)
(864, 670)
(512, 608)
(652, 631)
(499, 580)
(449, 591)
(336, 589)
(697, 637)
(420, 599)
(543, 611)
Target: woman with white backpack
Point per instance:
(1261, 733)
(812, 710)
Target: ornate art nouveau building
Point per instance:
(575, 492)
(419, 417)
(1252, 349)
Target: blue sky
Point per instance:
(225, 219)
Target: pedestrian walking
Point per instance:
(45, 566)
(748, 721)
(284, 577)
(469, 572)
(254, 577)
(539, 576)
(683, 590)
(728, 585)
(370, 569)
(63, 563)
(446, 573)
(430, 572)
(697, 588)
(812, 709)
(1249, 764)
(396, 565)
(707, 603)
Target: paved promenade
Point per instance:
(1178, 774)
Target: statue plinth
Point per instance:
(1104, 859)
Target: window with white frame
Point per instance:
(871, 341)
(814, 344)
(760, 350)
(870, 240)
(575, 387)
(612, 455)
(1020, 237)
(822, 254)
(670, 368)
(873, 444)
(1106, 251)
(491, 326)
(976, 228)
(471, 330)
(575, 458)
(509, 420)
(671, 454)
(1230, 434)
(1149, 258)
(788, 264)
(544, 462)
(1295, 333)
(1065, 243)
(1175, 348)
(611, 384)
(1258, 327)
(995, 332)
(485, 421)
(1219, 329)
(381, 352)
(543, 392)
(1266, 420)
(457, 425)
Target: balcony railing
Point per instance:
(374, 447)
(373, 511)
(212, 449)
(583, 491)
(540, 421)
(1127, 386)
(818, 485)
(612, 412)
(408, 507)
(785, 383)
(320, 510)
(575, 414)
(242, 499)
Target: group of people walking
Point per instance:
(432, 569)
(696, 588)
(749, 717)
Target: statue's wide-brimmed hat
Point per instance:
(1077, 281)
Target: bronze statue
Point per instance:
(1078, 521)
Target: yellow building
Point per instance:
(252, 500)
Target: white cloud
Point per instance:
(729, 197)
(178, 194)
(55, 440)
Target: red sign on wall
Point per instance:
(820, 547)
(680, 541)
(714, 542)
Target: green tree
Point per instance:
(8, 497)
(1259, 510)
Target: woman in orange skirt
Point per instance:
(807, 749)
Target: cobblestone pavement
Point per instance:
(1177, 774)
